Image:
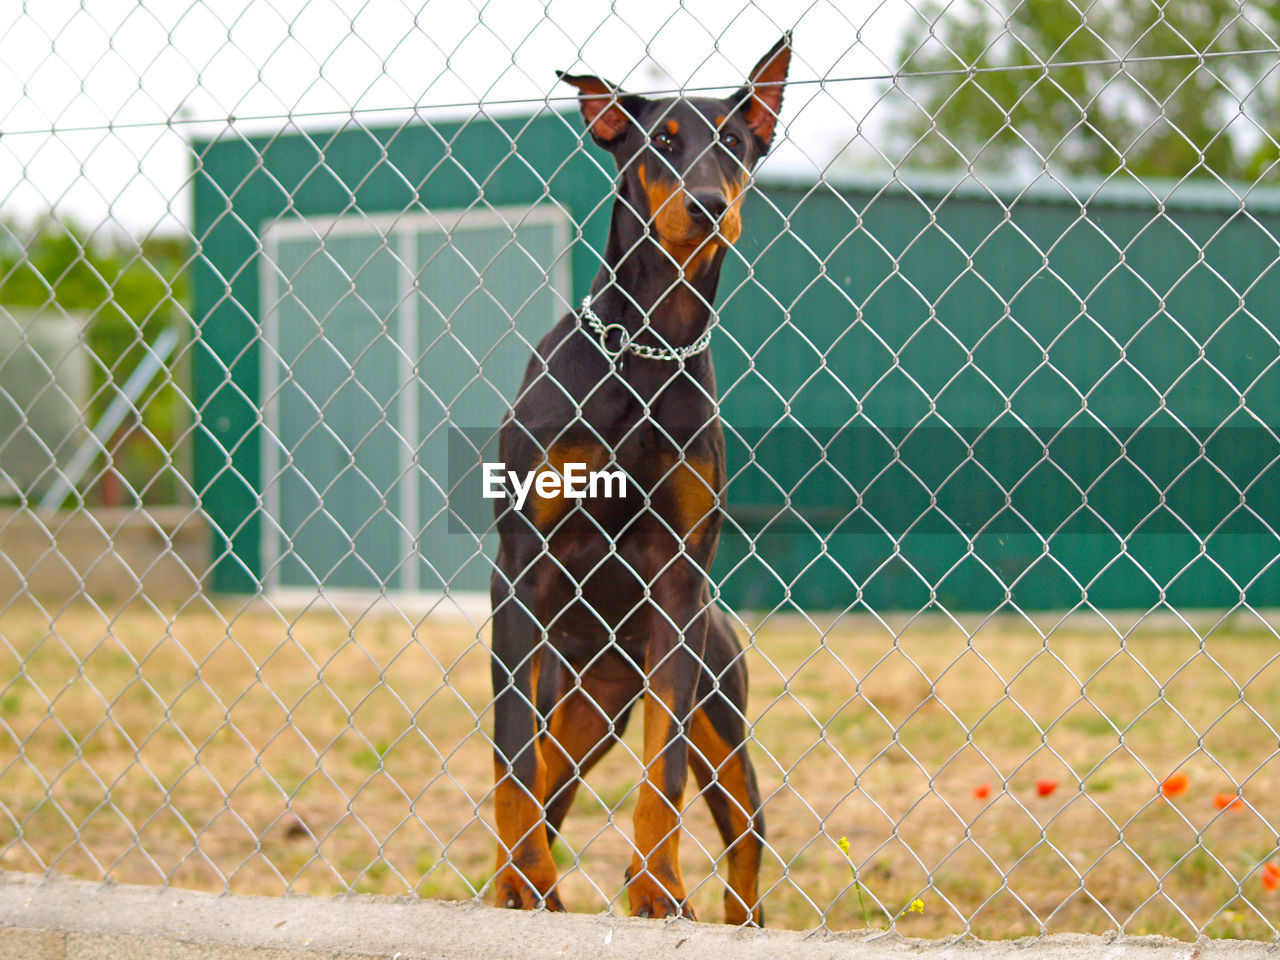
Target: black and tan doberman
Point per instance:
(601, 602)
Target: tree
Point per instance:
(1157, 88)
(131, 291)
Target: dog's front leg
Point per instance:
(655, 883)
(526, 874)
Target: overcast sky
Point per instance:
(101, 95)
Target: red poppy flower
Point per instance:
(1228, 801)
(1175, 785)
(982, 791)
(1271, 875)
(1046, 787)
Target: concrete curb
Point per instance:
(63, 919)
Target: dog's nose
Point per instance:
(706, 205)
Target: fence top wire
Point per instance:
(444, 110)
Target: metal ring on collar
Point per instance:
(624, 338)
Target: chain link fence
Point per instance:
(997, 362)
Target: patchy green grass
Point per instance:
(237, 749)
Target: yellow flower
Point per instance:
(917, 906)
(843, 844)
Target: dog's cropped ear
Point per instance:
(602, 106)
(761, 99)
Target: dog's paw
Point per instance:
(648, 898)
(513, 891)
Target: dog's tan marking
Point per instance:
(720, 765)
(692, 485)
(545, 512)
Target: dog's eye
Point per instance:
(730, 140)
(664, 140)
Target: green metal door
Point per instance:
(486, 294)
(382, 340)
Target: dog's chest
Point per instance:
(622, 482)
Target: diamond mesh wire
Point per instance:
(997, 364)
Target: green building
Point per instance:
(934, 389)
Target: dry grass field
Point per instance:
(241, 748)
